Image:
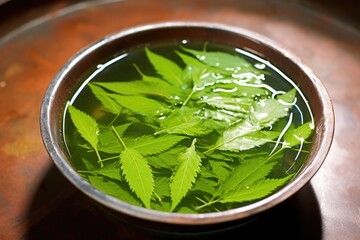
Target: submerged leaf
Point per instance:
(108, 140)
(111, 171)
(103, 96)
(149, 144)
(245, 174)
(153, 87)
(114, 188)
(257, 190)
(141, 105)
(185, 175)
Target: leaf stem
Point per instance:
(109, 158)
(99, 158)
(206, 204)
(190, 96)
(118, 136)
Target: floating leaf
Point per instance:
(268, 111)
(184, 121)
(248, 141)
(298, 135)
(138, 174)
(234, 104)
(265, 112)
(184, 176)
(223, 60)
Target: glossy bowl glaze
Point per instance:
(69, 78)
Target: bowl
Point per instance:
(71, 75)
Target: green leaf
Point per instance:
(257, 190)
(221, 169)
(166, 160)
(166, 68)
(185, 175)
(298, 135)
(268, 111)
(105, 100)
(108, 140)
(85, 125)
(234, 88)
(114, 188)
(138, 174)
(111, 171)
(226, 61)
(244, 175)
(248, 141)
(264, 113)
(234, 104)
(141, 105)
(150, 145)
(162, 186)
(184, 121)
(153, 87)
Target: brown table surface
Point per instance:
(37, 202)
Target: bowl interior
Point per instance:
(70, 76)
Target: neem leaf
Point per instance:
(111, 171)
(108, 140)
(166, 68)
(264, 113)
(222, 60)
(141, 105)
(153, 87)
(184, 121)
(185, 174)
(259, 189)
(298, 135)
(105, 100)
(250, 140)
(138, 174)
(114, 188)
(235, 104)
(149, 144)
(85, 125)
(267, 111)
(248, 172)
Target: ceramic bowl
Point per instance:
(69, 77)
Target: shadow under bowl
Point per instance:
(70, 77)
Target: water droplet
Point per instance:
(259, 65)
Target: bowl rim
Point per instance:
(59, 158)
